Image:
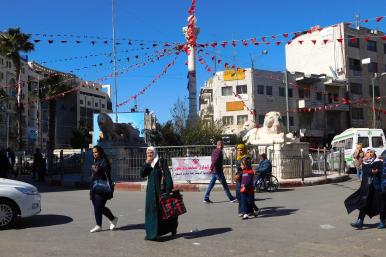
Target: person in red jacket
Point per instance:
(247, 189)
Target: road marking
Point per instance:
(327, 226)
(196, 244)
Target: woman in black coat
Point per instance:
(101, 169)
(367, 198)
(159, 181)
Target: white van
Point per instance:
(348, 140)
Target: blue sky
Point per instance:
(162, 21)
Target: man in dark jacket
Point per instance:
(263, 170)
(4, 164)
(216, 169)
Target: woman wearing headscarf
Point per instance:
(241, 153)
(367, 198)
(159, 181)
(101, 169)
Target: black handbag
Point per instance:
(103, 187)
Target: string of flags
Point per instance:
(143, 90)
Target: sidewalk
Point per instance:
(285, 183)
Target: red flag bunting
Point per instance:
(219, 61)
(378, 19)
(340, 40)
(285, 35)
(214, 44)
(313, 41)
(244, 42)
(224, 44)
(253, 40)
(278, 43)
(300, 41)
(234, 43)
(263, 38)
(325, 41)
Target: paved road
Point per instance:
(307, 221)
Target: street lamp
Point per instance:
(254, 57)
(376, 75)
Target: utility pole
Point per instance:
(286, 98)
(115, 64)
(373, 87)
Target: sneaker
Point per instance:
(233, 201)
(207, 201)
(251, 215)
(240, 215)
(381, 225)
(113, 223)
(358, 224)
(96, 229)
(245, 216)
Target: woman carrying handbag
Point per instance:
(101, 189)
(159, 181)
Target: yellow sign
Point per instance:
(234, 106)
(238, 74)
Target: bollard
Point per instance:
(302, 163)
(325, 161)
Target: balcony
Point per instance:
(335, 83)
(333, 106)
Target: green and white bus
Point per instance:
(348, 140)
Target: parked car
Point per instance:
(17, 199)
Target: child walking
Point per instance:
(247, 191)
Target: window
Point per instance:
(301, 93)
(291, 121)
(103, 106)
(356, 88)
(241, 89)
(268, 90)
(241, 119)
(290, 92)
(81, 101)
(348, 143)
(357, 113)
(364, 141)
(260, 90)
(372, 45)
(281, 91)
(354, 64)
(353, 42)
(373, 67)
(261, 119)
(319, 96)
(377, 142)
(1, 76)
(88, 103)
(96, 104)
(225, 91)
(376, 90)
(227, 120)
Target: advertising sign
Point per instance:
(238, 74)
(191, 169)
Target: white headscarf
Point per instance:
(155, 154)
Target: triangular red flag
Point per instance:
(285, 35)
(263, 38)
(253, 40)
(219, 61)
(340, 40)
(245, 43)
(267, 43)
(378, 19)
(366, 20)
(278, 43)
(325, 41)
(313, 41)
(273, 37)
(234, 43)
(213, 57)
(367, 39)
(289, 42)
(224, 43)
(300, 41)
(353, 39)
(214, 44)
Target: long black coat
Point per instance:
(367, 197)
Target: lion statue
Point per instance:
(272, 131)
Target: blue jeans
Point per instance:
(221, 178)
(247, 203)
(359, 173)
(100, 208)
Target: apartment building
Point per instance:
(355, 56)
(239, 99)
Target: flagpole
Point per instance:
(115, 64)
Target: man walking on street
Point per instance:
(216, 169)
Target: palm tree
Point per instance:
(50, 88)
(12, 42)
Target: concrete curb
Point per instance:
(141, 186)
